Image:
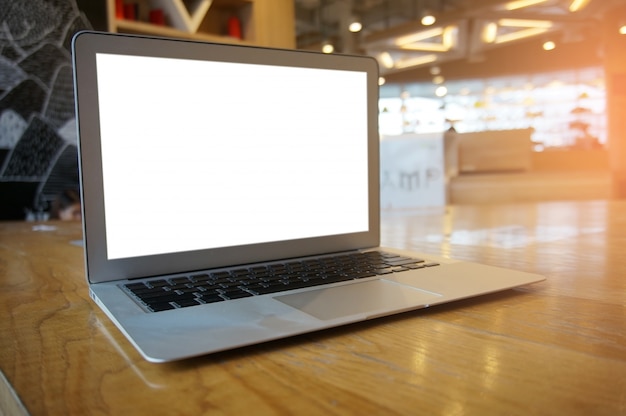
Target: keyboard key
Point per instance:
(180, 280)
(403, 261)
(136, 286)
(274, 288)
(187, 302)
(152, 293)
(158, 283)
(161, 306)
(210, 298)
(201, 277)
(236, 294)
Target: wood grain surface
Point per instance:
(557, 347)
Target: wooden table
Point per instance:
(557, 347)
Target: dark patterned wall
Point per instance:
(38, 157)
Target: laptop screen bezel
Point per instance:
(85, 47)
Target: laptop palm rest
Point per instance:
(373, 298)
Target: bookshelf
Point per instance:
(261, 22)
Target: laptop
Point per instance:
(230, 196)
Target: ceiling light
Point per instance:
(525, 23)
(524, 29)
(449, 37)
(386, 59)
(441, 91)
(576, 5)
(438, 79)
(490, 32)
(435, 70)
(520, 4)
(419, 36)
(429, 40)
(428, 18)
(622, 29)
(328, 47)
(415, 61)
(549, 45)
(520, 34)
(355, 25)
(381, 81)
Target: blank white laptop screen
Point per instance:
(200, 154)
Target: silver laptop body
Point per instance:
(199, 159)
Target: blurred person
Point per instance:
(66, 206)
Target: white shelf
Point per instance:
(186, 16)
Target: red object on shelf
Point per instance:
(234, 27)
(129, 12)
(157, 17)
(119, 9)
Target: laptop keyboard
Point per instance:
(235, 283)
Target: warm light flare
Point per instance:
(577, 5)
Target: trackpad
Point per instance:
(372, 298)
